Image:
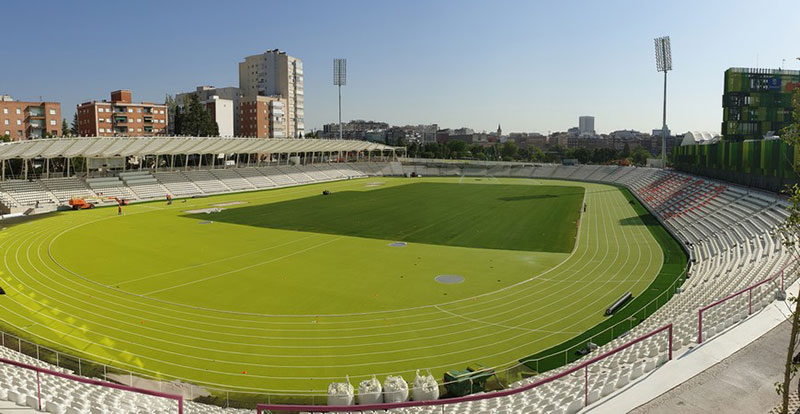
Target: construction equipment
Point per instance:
(78, 203)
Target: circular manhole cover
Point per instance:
(449, 279)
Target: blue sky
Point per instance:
(528, 65)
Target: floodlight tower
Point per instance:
(663, 64)
(340, 79)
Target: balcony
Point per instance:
(120, 119)
(148, 119)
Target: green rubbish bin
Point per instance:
(459, 383)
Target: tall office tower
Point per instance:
(586, 125)
(278, 75)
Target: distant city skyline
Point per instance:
(530, 67)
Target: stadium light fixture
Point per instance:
(340, 79)
(663, 64)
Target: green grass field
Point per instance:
(289, 290)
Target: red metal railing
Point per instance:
(386, 406)
(91, 381)
(748, 290)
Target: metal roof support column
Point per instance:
(68, 162)
(172, 163)
(86, 166)
(156, 164)
(3, 178)
(47, 167)
(186, 162)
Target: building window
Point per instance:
(19, 133)
(138, 130)
(5, 111)
(5, 122)
(19, 122)
(99, 109)
(130, 110)
(139, 110)
(102, 130)
(139, 120)
(52, 122)
(18, 111)
(52, 112)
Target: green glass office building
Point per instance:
(756, 102)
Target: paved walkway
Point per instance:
(742, 383)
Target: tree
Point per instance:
(73, 129)
(789, 231)
(64, 127)
(456, 146)
(626, 151)
(5, 138)
(640, 156)
(583, 155)
(194, 120)
(536, 154)
(509, 150)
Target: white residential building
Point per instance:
(207, 95)
(276, 74)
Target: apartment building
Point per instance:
(222, 103)
(263, 117)
(279, 76)
(28, 120)
(121, 117)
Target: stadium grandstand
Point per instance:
(147, 168)
(737, 269)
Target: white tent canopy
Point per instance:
(106, 147)
(699, 137)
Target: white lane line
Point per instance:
(243, 268)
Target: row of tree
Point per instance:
(509, 151)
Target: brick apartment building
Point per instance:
(27, 120)
(121, 117)
(263, 117)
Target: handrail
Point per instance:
(89, 381)
(260, 408)
(748, 289)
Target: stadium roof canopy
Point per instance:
(700, 137)
(108, 147)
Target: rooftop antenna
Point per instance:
(663, 64)
(340, 79)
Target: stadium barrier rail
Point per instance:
(768, 282)
(84, 380)
(584, 366)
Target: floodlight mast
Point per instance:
(340, 79)
(663, 64)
